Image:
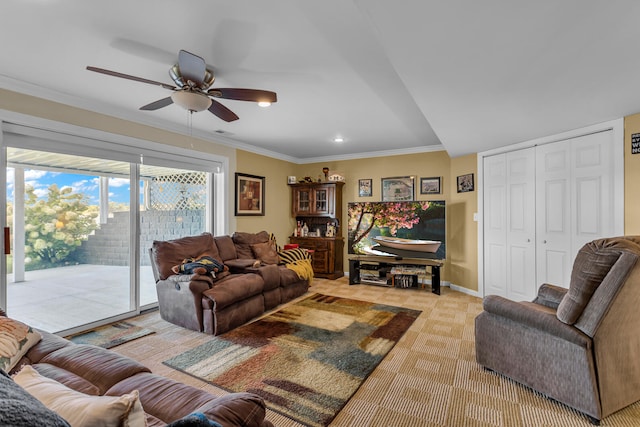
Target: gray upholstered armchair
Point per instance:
(579, 346)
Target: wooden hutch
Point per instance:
(318, 205)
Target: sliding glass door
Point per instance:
(173, 203)
(69, 225)
(79, 230)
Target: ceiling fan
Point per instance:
(192, 91)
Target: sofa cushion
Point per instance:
(99, 366)
(20, 409)
(226, 247)
(236, 287)
(590, 267)
(16, 339)
(170, 253)
(80, 409)
(243, 242)
(265, 252)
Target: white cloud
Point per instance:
(84, 186)
(33, 174)
(118, 182)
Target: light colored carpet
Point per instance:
(429, 378)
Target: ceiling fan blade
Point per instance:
(223, 112)
(129, 77)
(192, 67)
(254, 95)
(156, 105)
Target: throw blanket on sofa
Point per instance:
(298, 260)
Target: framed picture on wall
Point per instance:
(364, 187)
(465, 183)
(397, 189)
(249, 195)
(430, 185)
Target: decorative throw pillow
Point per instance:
(265, 252)
(81, 409)
(19, 409)
(289, 256)
(16, 339)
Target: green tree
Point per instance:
(55, 227)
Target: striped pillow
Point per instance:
(289, 256)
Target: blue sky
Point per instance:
(88, 184)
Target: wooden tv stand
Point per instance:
(392, 266)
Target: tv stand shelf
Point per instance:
(402, 272)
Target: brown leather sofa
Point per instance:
(96, 371)
(217, 303)
(580, 345)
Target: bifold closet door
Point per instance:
(575, 201)
(510, 224)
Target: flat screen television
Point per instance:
(419, 220)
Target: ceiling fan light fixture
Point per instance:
(338, 139)
(191, 101)
(264, 104)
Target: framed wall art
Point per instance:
(398, 189)
(249, 195)
(465, 183)
(430, 185)
(365, 187)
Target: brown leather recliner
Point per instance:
(580, 345)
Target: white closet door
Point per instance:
(575, 200)
(520, 260)
(495, 224)
(509, 226)
(593, 195)
(553, 214)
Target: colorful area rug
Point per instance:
(307, 359)
(111, 335)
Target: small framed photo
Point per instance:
(465, 183)
(249, 195)
(398, 189)
(430, 185)
(364, 187)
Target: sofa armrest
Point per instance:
(550, 295)
(534, 316)
(180, 299)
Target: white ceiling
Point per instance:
(390, 77)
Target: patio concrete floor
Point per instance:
(65, 298)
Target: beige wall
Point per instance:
(631, 176)
(277, 218)
(461, 267)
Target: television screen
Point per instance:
(408, 229)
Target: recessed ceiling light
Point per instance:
(264, 104)
(338, 139)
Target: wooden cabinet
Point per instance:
(327, 254)
(318, 204)
(323, 199)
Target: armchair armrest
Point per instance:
(550, 295)
(535, 316)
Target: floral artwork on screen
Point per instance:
(420, 220)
